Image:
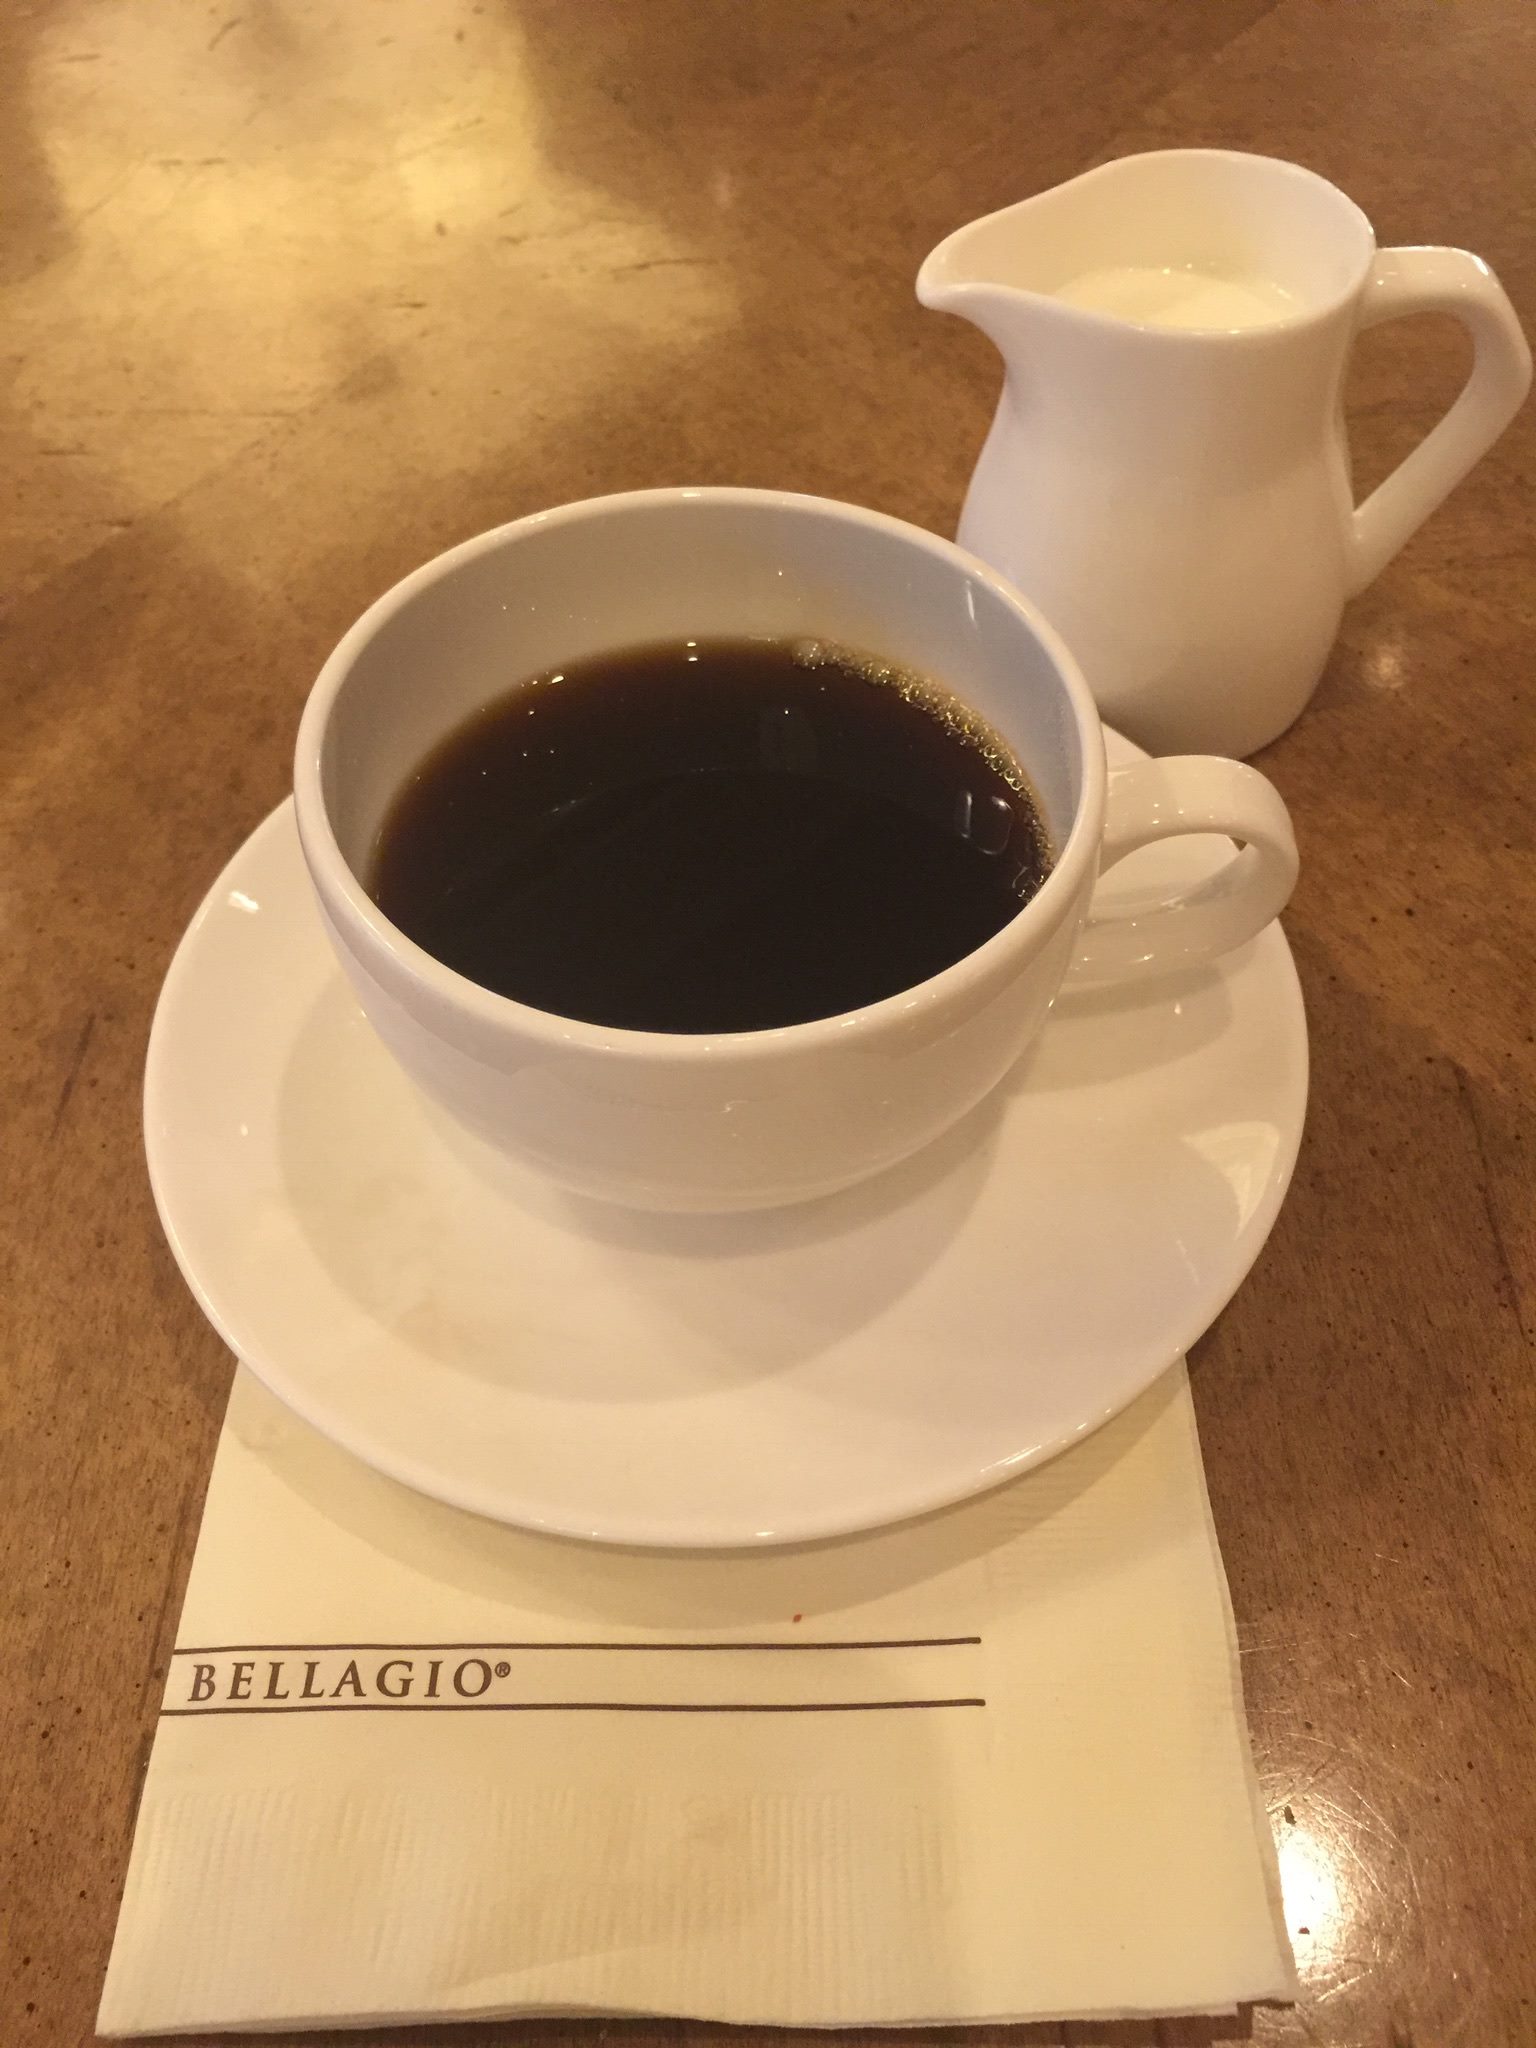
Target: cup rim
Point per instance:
(347, 901)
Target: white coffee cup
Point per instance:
(749, 1119)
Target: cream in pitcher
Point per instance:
(1167, 474)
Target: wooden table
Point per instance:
(295, 296)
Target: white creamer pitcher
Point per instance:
(1167, 475)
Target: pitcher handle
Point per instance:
(1451, 281)
(1165, 799)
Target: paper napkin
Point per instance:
(987, 1766)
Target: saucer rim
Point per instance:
(696, 1535)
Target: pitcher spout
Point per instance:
(955, 278)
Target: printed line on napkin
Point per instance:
(857, 1676)
(301, 1649)
(577, 1707)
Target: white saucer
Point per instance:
(709, 1381)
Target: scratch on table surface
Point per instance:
(663, 263)
(79, 219)
(1334, 1990)
(1299, 1788)
(1398, 1841)
(180, 412)
(1379, 1817)
(82, 1046)
(441, 141)
(186, 1513)
(1342, 1814)
(1468, 1095)
(1365, 1869)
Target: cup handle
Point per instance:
(1165, 799)
(1450, 281)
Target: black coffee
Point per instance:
(721, 835)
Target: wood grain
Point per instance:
(293, 298)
